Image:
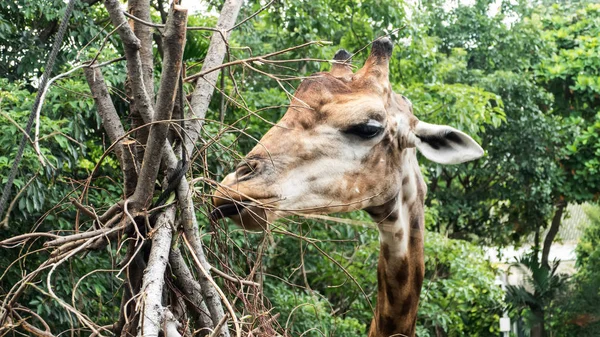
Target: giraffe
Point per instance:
(348, 142)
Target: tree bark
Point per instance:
(174, 39)
(112, 126)
(199, 105)
(135, 70)
(214, 58)
(141, 9)
(538, 329)
(153, 312)
(184, 280)
(554, 227)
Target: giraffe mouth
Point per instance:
(245, 214)
(227, 211)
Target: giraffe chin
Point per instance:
(249, 217)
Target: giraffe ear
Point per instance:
(445, 145)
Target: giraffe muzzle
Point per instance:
(226, 211)
(246, 214)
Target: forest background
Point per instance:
(522, 77)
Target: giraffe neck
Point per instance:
(400, 269)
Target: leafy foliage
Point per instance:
(522, 79)
(571, 74)
(459, 296)
(577, 312)
(27, 31)
(541, 284)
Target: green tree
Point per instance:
(577, 313)
(27, 31)
(522, 79)
(466, 66)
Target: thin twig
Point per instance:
(4, 222)
(84, 209)
(233, 279)
(39, 108)
(214, 284)
(27, 236)
(217, 329)
(253, 59)
(122, 58)
(160, 26)
(271, 319)
(251, 16)
(104, 42)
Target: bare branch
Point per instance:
(200, 101)
(76, 237)
(253, 15)
(190, 227)
(112, 125)
(154, 276)
(219, 326)
(184, 280)
(141, 9)
(216, 288)
(149, 23)
(4, 222)
(262, 58)
(35, 331)
(170, 324)
(174, 38)
(135, 70)
(214, 58)
(233, 279)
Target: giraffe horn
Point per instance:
(342, 62)
(381, 51)
(377, 65)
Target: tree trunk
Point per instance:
(554, 227)
(538, 329)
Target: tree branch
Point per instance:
(154, 276)
(174, 38)
(141, 9)
(135, 70)
(184, 280)
(199, 105)
(112, 125)
(190, 227)
(214, 58)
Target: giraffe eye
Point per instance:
(367, 130)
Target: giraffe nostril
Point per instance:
(245, 170)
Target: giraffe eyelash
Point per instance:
(368, 130)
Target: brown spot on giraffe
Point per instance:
(348, 142)
(415, 223)
(388, 325)
(390, 291)
(407, 308)
(402, 276)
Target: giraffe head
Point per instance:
(341, 146)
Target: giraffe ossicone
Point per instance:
(348, 142)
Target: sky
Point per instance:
(194, 6)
